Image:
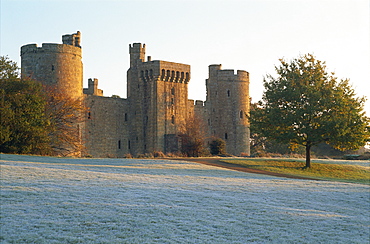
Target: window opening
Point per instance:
(119, 144)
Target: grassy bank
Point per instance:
(334, 172)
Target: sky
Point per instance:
(249, 35)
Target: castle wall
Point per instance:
(106, 129)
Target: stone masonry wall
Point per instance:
(106, 130)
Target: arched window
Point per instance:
(168, 78)
(241, 114)
(173, 91)
(163, 74)
(119, 144)
(172, 75)
(225, 136)
(228, 93)
(177, 76)
(173, 119)
(126, 117)
(187, 77)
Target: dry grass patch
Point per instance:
(335, 172)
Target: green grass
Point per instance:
(333, 172)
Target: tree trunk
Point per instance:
(308, 156)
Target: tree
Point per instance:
(193, 138)
(217, 146)
(66, 116)
(304, 105)
(24, 126)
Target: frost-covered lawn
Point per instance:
(57, 200)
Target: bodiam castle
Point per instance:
(157, 107)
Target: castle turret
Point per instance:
(57, 65)
(93, 88)
(228, 108)
(60, 67)
(72, 39)
(137, 54)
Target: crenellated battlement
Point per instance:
(51, 48)
(227, 74)
(136, 48)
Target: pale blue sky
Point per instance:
(249, 35)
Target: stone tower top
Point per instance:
(137, 53)
(215, 70)
(72, 39)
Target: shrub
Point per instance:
(217, 147)
(127, 155)
(158, 154)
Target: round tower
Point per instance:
(58, 65)
(228, 108)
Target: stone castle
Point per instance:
(156, 108)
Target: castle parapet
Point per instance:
(51, 48)
(227, 74)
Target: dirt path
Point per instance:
(218, 163)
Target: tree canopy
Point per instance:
(305, 105)
(23, 123)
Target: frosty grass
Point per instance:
(58, 200)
